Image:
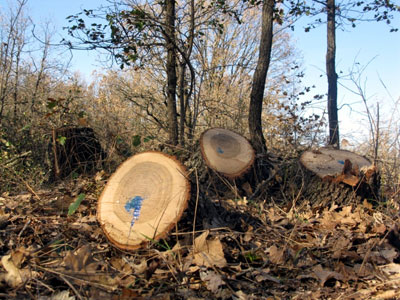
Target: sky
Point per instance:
(368, 43)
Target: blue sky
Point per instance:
(365, 42)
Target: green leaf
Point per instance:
(62, 140)
(136, 141)
(51, 104)
(26, 127)
(148, 138)
(119, 140)
(81, 114)
(74, 206)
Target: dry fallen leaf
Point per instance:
(213, 280)
(389, 254)
(391, 294)
(323, 275)
(264, 276)
(249, 235)
(141, 267)
(208, 252)
(82, 265)
(81, 260)
(121, 265)
(15, 276)
(63, 295)
(3, 218)
(391, 269)
(276, 255)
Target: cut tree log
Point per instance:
(143, 199)
(226, 152)
(336, 167)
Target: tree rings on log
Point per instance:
(337, 166)
(226, 152)
(143, 199)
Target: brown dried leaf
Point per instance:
(63, 295)
(249, 235)
(208, 252)
(391, 269)
(81, 260)
(121, 265)
(141, 267)
(365, 270)
(342, 244)
(81, 227)
(264, 276)
(328, 222)
(3, 218)
(379, 228)
(389, 254)
(276, 255)
(347, 271)
(323, 274)
(15, 276)
(391, 294)
(273, 216)
(213, 280)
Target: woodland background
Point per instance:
(281, 247)
(126, 107)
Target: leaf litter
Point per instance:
(336, 251)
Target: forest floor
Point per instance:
(51, 250)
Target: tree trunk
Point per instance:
(260, 74)
(332, 76)
(171, 72)
(182, 85)
(185, 90)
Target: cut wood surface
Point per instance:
(226, 152)
(337, 165)
(143, 199)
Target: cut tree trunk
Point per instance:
(226, 152)
(339, 175)
(143, 200)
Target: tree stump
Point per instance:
(338, 175)
(226, 152)
(75, 149)
(143, 199)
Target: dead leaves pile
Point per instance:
(336, 252)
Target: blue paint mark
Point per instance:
(133, 207)
(341, 162)
(219, 150)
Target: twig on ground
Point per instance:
(71, 286)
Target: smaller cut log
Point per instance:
(226, 152)
(338, 176)
(143, 199)
(337, 166)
